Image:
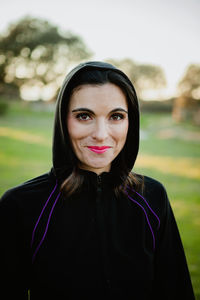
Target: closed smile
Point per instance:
(98, 149)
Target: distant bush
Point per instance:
(157, 106)
(3, 107)
(186, 108)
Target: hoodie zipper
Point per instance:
(102, 231)
(99, 188)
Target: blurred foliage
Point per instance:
(35, 53)
(144, 76)
(186, 109)
(163, 106)
(189, 86)
(187, 105)
(3, 107)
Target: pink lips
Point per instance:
(97, 149)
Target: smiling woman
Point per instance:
(92, 227)
(97, 115)
(97, 121)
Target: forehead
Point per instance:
(92, 96)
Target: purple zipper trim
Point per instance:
(46, 229)
(148, 206)
(146, 218)
(33, 234)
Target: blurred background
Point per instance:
(157, 45)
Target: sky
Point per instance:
(164, 33)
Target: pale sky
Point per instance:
(165, 33)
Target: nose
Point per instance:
(100, 131)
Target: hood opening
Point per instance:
(64, 160)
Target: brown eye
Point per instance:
(83, 117)
(117, 117)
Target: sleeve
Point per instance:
(172, 278)
(14, 283)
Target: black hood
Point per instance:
(64, 160)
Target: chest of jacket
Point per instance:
(94, 241)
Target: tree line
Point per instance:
(35, 55)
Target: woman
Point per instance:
(92, 228)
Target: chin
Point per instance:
(97, 168)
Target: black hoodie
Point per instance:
(92, 245)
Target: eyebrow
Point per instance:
(90, 111)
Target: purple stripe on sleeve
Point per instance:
(146, 218)
(46, 229)
(148, 207)
(33, 234)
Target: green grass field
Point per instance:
(169, 152)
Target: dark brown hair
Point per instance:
(74, 181)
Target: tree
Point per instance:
(145, 77)
(187, 105)
(35, 55)
(189, 85)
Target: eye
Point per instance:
(83, 117)
(117, 117)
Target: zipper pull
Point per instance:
(99, 180)
(99, 189)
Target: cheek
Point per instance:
(72, 131)
(120, 133)
(76, 130)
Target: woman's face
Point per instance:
(97, 123)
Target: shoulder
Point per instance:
(149, 185)
(20, 206)
(28, 191)
(156, 194)
(152, 185)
